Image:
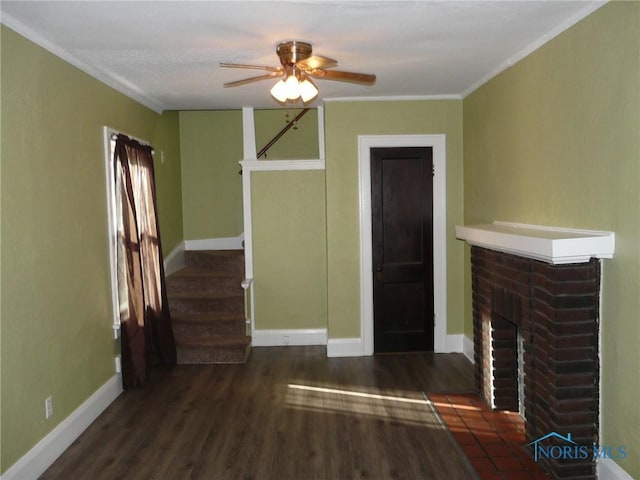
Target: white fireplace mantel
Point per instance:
(548, 244)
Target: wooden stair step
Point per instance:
(213, 340)
(207, 305)
(204, 296)
(199, 303)
(213, 349)
(220, 260)
(198, 272)
(208, 318)
(209, 324)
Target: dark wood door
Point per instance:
(402, 234)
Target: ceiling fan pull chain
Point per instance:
(295, 118)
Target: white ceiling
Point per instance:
(165, 54)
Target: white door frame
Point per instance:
(112, 226)
(438, 144)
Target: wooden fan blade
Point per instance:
(253, 67)
(237, 83)
(316, 61)
(352, 77)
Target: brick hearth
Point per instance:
(555, 308)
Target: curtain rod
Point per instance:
(114, 136)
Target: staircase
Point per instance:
(206, 302)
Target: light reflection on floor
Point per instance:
(409, 411)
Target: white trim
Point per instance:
(549, 244)
(252, 309)
(248, 133)
(248, 224)
(607, 469)
(468, 348)
(227, 243)
(175, 260)
(283, 337)
(320, 112)
(539, 42)
(112, 229)
(46, 451)
(396, 98)
(251, 165)
(344, 347)
(454, 343)
(126, 88)
(438, 143)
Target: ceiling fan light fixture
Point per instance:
(280, 91)
(297, 66)
(293, 89)
(292, 85)
(308, 90)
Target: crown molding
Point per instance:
(391, 98)
(529, 49)
(128, 90)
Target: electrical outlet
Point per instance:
(48, 407)
(118, 364)
(285, 340)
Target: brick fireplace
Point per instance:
(536, 327)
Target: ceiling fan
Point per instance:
(298, 66)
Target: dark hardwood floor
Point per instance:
(289, 413)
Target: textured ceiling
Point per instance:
(165, 54)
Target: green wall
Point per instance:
(56, 297)
(167, 169)
(290, 264)
(555, 140)
(299, 142)
(344, 121)
(210, 149)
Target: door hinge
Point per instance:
(433, 170)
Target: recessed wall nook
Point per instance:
(536, 299)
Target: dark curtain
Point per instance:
(146, 334)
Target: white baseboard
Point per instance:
(293, 337)
(460, 343)
(228, 243)
(607, 469)
(352, 347)
(344, 347)
(454, 343)
(46, 451)
(175, 260)
(468, 349)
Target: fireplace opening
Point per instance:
(505, 362)
(508, 369)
